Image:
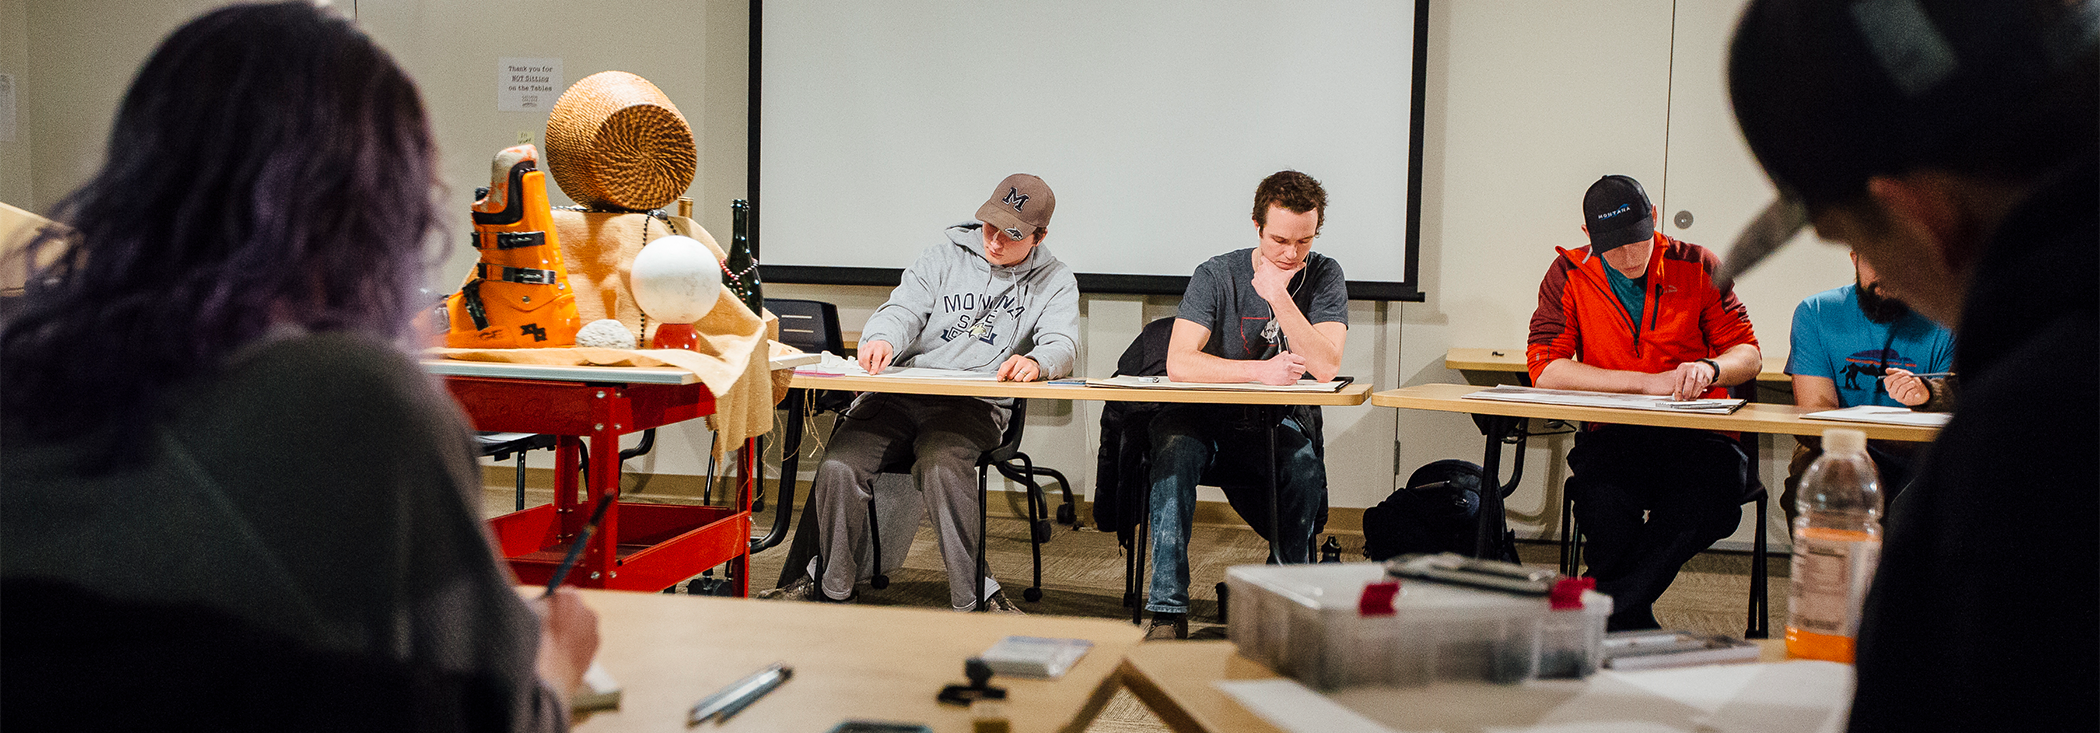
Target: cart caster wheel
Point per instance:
(1032, 595)
(1043, 531)
(880, 581)
(1067, 515)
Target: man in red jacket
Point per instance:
(1638, 312)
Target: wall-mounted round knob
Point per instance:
(1684, 220)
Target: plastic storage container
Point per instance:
(1307, 622)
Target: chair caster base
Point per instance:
(1043, 531)
(879, 582)
(1032, 595)
(1224, 600)
(1066, 515)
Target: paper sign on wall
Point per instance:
(527, 85)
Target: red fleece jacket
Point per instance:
(1686, 317)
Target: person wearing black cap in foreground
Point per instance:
(1638, 312)
(1952, 143)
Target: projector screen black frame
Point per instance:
(1112, 283)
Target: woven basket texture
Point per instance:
(614, 141)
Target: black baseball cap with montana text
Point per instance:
(1617, 213)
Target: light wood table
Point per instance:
(1498, 419)
(800, 550)
(1350, 394)
(1512, 361)
(850, 662)
(1754, 417)
(1176, 680)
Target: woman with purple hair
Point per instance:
(229, 499)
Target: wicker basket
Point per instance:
(614, 141)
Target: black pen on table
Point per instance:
(740, 694)
(568, 562)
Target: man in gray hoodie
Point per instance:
(987, 298)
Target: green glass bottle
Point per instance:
(740, 273)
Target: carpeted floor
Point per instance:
(1083, 575)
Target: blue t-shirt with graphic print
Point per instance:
(1833, 339)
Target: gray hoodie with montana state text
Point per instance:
(956, 310)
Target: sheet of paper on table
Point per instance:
(1796, 696)
(1887, 415)
(1133, 382)
(852, 369)
(791, 361)
(1579, 398)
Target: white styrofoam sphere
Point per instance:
(675, 279)
(605, 333)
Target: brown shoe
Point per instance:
(801, 590)
(1167, 627)
(998, 603)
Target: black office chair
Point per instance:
(1010, 462)
(502, 446)
(812, 326)
(1130, 509)
(1757, 626)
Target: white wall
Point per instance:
(80, 57)
(1527, 103)
(16, 162)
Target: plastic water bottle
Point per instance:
(1837, 541)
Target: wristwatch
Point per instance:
(1717, 369)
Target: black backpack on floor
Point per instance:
(1434, 512)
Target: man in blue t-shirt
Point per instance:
(1271, 313)
(1859, 345)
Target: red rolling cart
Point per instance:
(640, 546)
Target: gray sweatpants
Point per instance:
(941, 437)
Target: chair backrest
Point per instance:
(809, 325)
(1147, 355)
(1010, 443)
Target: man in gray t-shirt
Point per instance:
(1272, 314)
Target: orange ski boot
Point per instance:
(518, 296)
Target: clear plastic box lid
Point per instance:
(1337, 588)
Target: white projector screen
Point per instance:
(880, 123)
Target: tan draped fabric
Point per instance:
(599, 249)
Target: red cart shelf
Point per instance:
(639, 546)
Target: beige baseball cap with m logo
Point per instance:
(1019, 206)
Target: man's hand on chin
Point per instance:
(1272, 283)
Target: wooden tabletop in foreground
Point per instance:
(1351, 394)
(1755, 417)
(850, 662)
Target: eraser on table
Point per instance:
(987, 716)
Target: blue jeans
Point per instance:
(1220, 445)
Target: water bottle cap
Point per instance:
(1844, 440)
